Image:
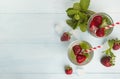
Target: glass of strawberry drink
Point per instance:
(77, 54)
(97, 24)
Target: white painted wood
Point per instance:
(53, 6)
(30, 47)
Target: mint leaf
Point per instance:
(90, 12)
(84, 4)
(72, 55)
(76, 6)
(83, 17)
(72, 23)
(72, 11)
(77, 17)
(86, 54)
(83, 27)
(104, 23)
(84, 45)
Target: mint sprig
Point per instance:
(79, 15)
(84, 4)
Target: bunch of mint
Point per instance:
(79, 15)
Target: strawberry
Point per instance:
(106, 61)
(97, 20)
(116, 46)
(80, 58)
(68, 70)
(65, 36)
(92, 26)
(100, 32)
(77, 49)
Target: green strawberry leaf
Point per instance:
(84, 4)
(111, 43)
(108, 52)
(118, 41)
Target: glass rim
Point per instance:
(76, 42)
(100, 13)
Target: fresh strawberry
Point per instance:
(77, 49)
(68, 70)
(100, 32)
(106, 61)
(80, 58)
(65, 36)
(97, 20)
(93, 27)
(92, 24)
(116, 46)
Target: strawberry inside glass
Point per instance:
(97, 24)
(77, 54)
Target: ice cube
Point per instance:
(58, 29)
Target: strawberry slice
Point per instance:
(97, 20)
(106, 61)
(77, 49)
(100, 32)
(65, 36)
(80, 58)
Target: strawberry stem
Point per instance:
(109, 52)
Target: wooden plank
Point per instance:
(53, 6)
(29, 44)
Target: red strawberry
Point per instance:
(80, 58)
(97, 20)
(92, 26)
(77, 49)
(100, 32)
(116, 46)
(106, 61)
(65, 36)
(68, 70)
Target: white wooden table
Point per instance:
(31, 49)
